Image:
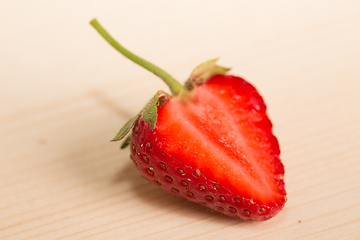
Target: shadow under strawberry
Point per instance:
(165, 203)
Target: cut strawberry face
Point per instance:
(218, 150)
(211, 142)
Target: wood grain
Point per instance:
(65, 93)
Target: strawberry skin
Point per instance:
(216, 149)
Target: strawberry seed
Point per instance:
(163, 165)
(232, 209)
(181, 171)
(133, 148)
(209, 197)
(150, 170)
(202, 187)
(146, 159)
(168, 178)
(220, 208)
(185, 183)
(247, 212)
(222, 198)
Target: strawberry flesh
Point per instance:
(216, 149)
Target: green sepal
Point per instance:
(206, 70)
(126, 128)
(126, 142)
(150, 111)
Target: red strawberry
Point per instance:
(211, 142)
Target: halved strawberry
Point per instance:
(211, 142)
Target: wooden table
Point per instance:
(65, 93)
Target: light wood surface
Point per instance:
(65, 93)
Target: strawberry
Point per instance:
(210, 142)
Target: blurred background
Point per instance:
(65, 93)
(50, 45)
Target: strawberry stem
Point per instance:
(175, 86)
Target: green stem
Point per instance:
(175, 86)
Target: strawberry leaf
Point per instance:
(126, 128)
(150, 111)
(126, 142)
(206, 70)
